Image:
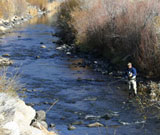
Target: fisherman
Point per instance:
(131, 75)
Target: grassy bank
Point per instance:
(120, 30)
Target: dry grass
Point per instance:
(12, 7)
(40, 3)
(9, 82)
(9, 8)
(117, 29)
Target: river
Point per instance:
(48, 74)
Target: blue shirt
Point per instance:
(131, 70)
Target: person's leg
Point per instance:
(130, 87)
(134, 83)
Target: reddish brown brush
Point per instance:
(121, 30)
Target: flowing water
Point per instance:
(53, 75)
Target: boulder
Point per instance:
(40, 115)
(16, 116)
(38, 123)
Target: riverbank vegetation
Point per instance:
(120, 31)
(11, 8)
(9, 82)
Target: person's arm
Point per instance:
(134, 72)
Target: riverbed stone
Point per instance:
(52, 125)
(43, 46)
(96, 124)
(6, 55)
(70, 127)
(37, 57)
(40, 115)
(106, 117)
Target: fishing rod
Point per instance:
(116, 81)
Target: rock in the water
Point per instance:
(96, 124)
(70, 127)
(5, 61)
(106, 117)
(43, 46)
(37, 57)
(41, 115)
(6, 55)
(91, 117)
(52, 125)
(59, 48)
(68, 53)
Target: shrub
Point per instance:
(9, 82)
(12, 7)
(116, 29)
(39, 3)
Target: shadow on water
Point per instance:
(80, 94)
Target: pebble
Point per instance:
(70, 127)
(43, 46)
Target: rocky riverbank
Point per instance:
(16, 118)
(7, 24)
(31, 12)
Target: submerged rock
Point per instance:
(77, 123)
